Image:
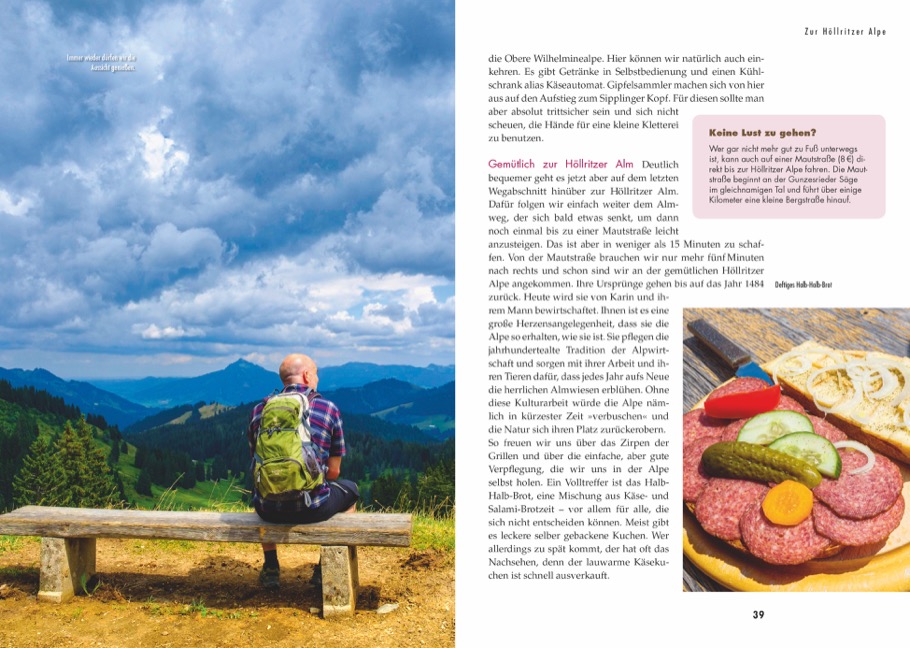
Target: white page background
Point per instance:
(865, 259)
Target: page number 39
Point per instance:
(758, 614)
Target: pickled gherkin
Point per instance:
(738, 460)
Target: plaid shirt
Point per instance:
(328, 437)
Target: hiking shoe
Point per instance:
(268, 578)
(316, 578)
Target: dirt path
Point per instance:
(165, 593)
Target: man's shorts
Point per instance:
(343, 494)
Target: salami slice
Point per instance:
(855, 533)
(787, 403)
(731, 431)
(779, 544)
(694, 477)
(865, 495)
(826, 429)
(697, 424)
(722, 504)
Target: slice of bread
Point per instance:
(864, 393)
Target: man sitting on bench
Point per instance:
(299, 375)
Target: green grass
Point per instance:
(89, 586)
(154, 608)
(224, 495)
(198, 607)
(400, 414)
(433, 528)
(439, 421)
(8, 543)
(433, 533)
(11, 543)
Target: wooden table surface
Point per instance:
(768, 333)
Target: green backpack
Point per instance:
(286, 465)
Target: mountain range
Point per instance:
(123, 402)
(239, 382)
(242, 382)
(87, 397)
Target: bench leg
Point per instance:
(340, 580)
(65, 564)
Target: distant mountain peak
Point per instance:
(240, 363)
(43, 374)
(240, 382)
(88, 398)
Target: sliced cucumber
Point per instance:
(765, 428)
(813, 449)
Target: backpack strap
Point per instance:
(311, 395)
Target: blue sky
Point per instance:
(270, 177)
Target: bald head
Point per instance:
(298, 369)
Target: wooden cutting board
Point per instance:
(885, 567)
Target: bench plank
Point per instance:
(68, 541)
(353, 529)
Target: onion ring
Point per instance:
(859, 447)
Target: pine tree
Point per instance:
(188, 478)
(114, 455)
(15, 441)
(100, 486)
(86, 478)
(219, 468)
(139, 459)
(385, 490)
(71, 451)
(121, 489)
(41, 479)
(436, 487)
(144, 483)
(405, 497)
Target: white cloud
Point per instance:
(299, 301)
(170, 249)
(155, 332)
(261, 194)
(395, 235)
(14, 206)
(162, 156)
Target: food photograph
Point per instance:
(796, 449)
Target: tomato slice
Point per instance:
(743, 404)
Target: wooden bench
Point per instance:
(68, 541)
